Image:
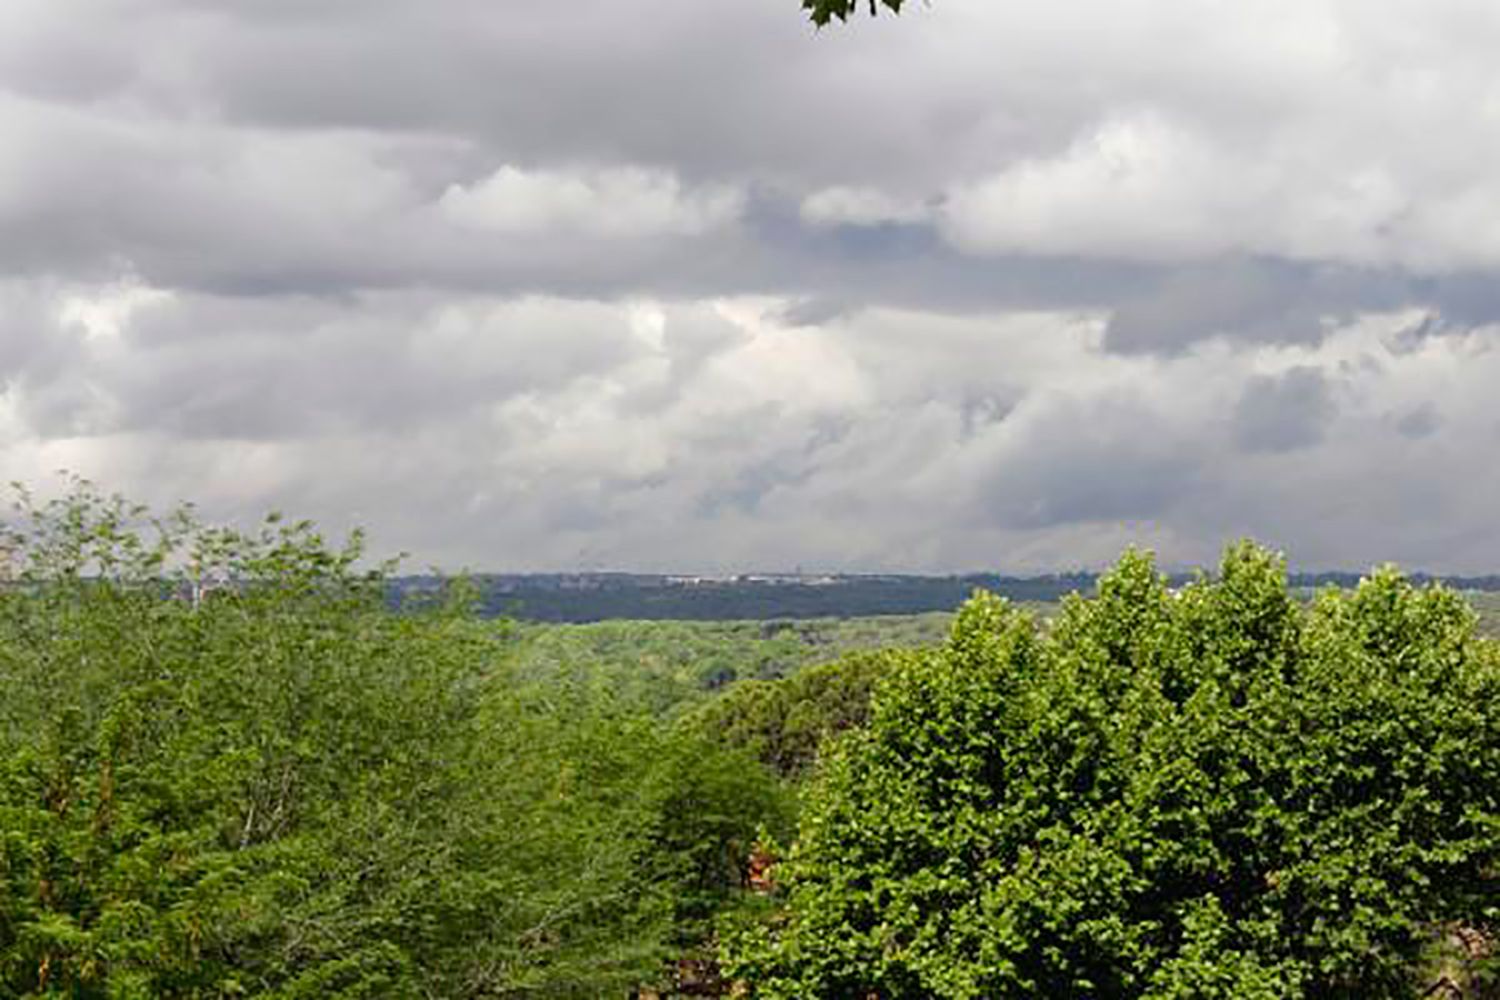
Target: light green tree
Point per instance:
(1211, 792)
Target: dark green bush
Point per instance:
(1213, 792)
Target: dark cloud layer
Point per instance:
(1283, 412)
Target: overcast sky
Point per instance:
(675, 285)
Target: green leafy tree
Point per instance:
(667, 667)
(785, 722)
(1208, 792)
(228, 768)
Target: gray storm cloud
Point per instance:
(608, 283)
(1283, 412)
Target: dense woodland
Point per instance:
(230, 768)
(612, 597)
(582, 598)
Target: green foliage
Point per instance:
(1487, 605)
(662, 667)
(823, 11)
(784, 722)
(1213, 792)
(227, 769)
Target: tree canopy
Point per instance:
(1212, 792)
(228, 768)
(785, 722)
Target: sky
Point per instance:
(663, 285)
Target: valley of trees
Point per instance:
(230, 768)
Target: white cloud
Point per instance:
(1134, 187)
(620, 202)
(1392, 176)
(103, 312)
(1143, 186)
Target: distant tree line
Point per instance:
(603, 597)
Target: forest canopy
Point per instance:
(229, 766)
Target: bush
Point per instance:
(1213, 792)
